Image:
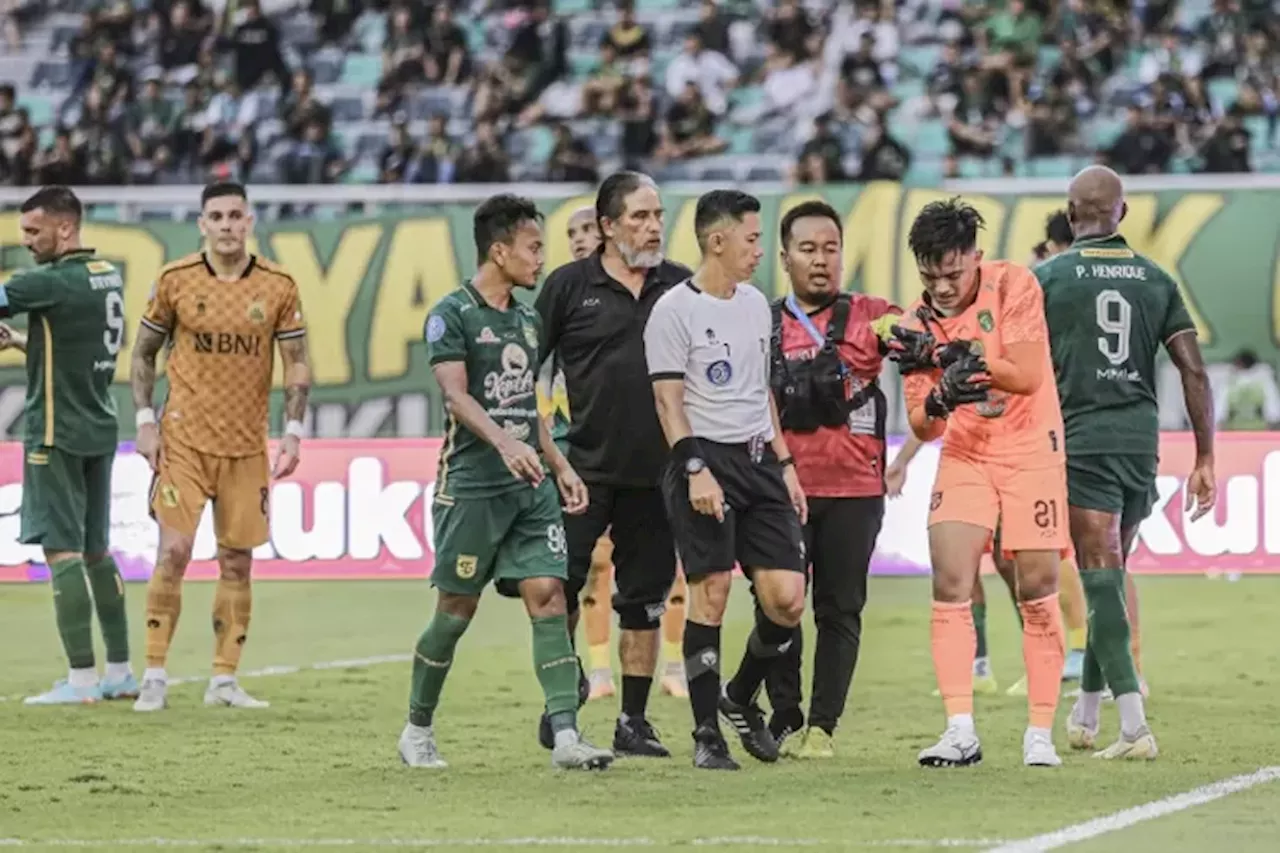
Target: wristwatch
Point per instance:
(694, 465)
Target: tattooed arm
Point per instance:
(142, 378)
(297, 388)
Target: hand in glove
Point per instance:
(964, 380)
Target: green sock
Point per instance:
(432, 658)
(108, 599)
(980, 626)
(74, 611)
(1091, 680)
(1109, 628)
(557, 669)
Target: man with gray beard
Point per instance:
(594, 312)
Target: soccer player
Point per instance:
(731, 488)
(496, 515)
(987, 391)
(75, 311)
(222, 311)
(826, 353)
(594, 311)
(1109, 311)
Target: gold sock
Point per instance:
(1077, 638)
(601, 660)
(164, 606)
(232, 606)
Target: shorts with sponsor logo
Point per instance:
(505, 539)
(1027, 502)
(66, 500)
(1122, 484)
(187, 479)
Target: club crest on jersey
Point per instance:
(435, 328)
(985, 320)
(719, 373)
(169, 495)
(257, 313)
(487, 336)
(530, 335)
(99, 267)
(466, 566)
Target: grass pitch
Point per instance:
(319, 768)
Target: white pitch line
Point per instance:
(284, 669)
(744, 841)
(1139, 814)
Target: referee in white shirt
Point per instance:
(731, 492)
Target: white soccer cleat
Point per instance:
(957, 748)
(1038, 749)
(229, 694)
(1080, 735)
(1139, 748)
(154, 696)
(418, 747)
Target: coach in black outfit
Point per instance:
(593, 314)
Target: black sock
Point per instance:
(702, 671)
(635, 695)
(767, 641)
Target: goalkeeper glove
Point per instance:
(964, 380)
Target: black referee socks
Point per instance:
(702, 671)
(768, 640)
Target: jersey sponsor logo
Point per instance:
(105, 366)
(515, 382)
(986, 321)
(257, 313)
(466, 566)
(530, 335)
(516, 430)
(435, 328)
(226, 343)
(487, 336)
(719, 373)
(1106, 253)
(169, 495)
(994, 405)
(1117, 374)
(1127, 272)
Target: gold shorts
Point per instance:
(238, 486)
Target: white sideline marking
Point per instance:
(286, 669)
(745, 841)
(1139, 814)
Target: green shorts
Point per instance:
(66, 500)
(1123, 484)
(504, 539)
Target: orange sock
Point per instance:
(1043, 657)
(954, 645)
(164, 605)
(232, 607)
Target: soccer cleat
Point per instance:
(1080, 735)
(748, 722)
(1038, 749)
(124, 688)
(546, 738)
(636, 738)
(577, 754)
(418, 747)
(229, 694)
(710, 752)
(1140, 748)
(601, 684)
(64, 694)
(956, 748)
(1073, 666)
(154, 696)
(1018, 688)
(816, 744)
(673, 681)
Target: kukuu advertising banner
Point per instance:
(361, 509)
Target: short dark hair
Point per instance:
(943, 227)
(611, 198)
(55, 200)
(498, 218)
(718, 205)
(219, 189)
(805, 210)
(1058, 228)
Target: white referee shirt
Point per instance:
(720, 348)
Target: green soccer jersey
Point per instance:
(500, 351)
(75, 308)
(1109, 310)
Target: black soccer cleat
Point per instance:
(636, 738)
(547, 739)
(710, 752)
(748, 722)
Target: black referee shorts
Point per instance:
(644, 555)
(760, 529)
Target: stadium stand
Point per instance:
(363, 91)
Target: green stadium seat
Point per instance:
(931, 139)
(746, 96)
(540, 141)
(1048, 56)
(908, 89)
(740, 140)
(920, 59)
(583, 63)
(1104, 131)
(104, 213)
(39, 108)
(361, 69)
(362, 172)
(571, 7)
(925, 172)
(1223, 91)
(656, 5)
(1053, 167)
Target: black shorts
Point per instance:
(760, 529)
(644, 554)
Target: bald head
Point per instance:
(1095, 202)
(584, 233)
